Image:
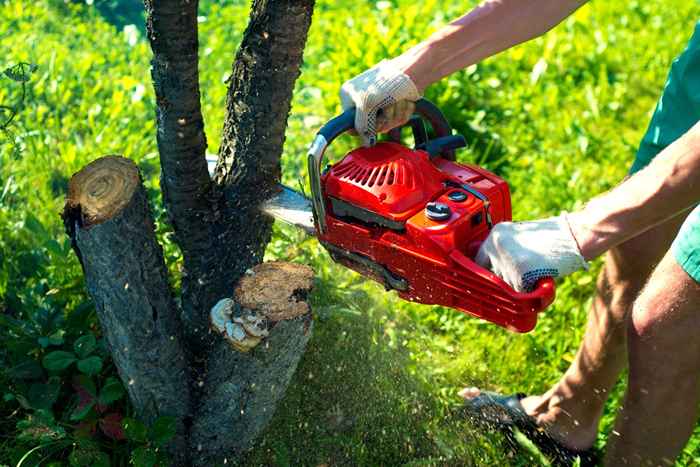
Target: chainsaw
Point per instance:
(412, 219)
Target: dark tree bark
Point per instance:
(259, 98)
(224, 398)
(111, 228)
(267, 65)
(243, 389)
(185, 182)
(243, 392)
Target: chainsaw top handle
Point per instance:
(424, 108)
(346, 122)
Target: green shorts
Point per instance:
(678, 109)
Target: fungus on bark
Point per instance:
(267, 293)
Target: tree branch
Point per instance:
(111, 228)
(259, 98)
(267, 65)
(185, 182)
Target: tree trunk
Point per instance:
(111, 229)
(241, 391)
(259, 97)
(170, 360)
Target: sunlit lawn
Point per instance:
(559, 118)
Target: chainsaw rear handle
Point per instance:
(544, 292)
(537, 300)
(345, 122)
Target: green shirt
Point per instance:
(676, 112)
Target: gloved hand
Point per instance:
(521, 253)
(382, 87)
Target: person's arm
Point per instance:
(523, 252)
(669, 185)
(490, 28)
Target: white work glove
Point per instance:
(521, 253)
(381, 87)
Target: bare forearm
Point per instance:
(669, 185)
(492, 27)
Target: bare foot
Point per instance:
(555, 414)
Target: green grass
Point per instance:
(378, 383)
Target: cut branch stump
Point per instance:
(111, 228)
(242, 389)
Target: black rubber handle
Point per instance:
(338, 125)
(426, 109)
(438, 146)
(420, 135)
(434, 116)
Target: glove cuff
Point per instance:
(577, 259)
(402, 84)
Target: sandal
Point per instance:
(505, 413)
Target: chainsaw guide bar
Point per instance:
(291, 207)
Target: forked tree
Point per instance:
(174, 361)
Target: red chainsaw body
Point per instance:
(377, 223)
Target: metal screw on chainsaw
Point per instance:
(437, 211)
(457, 196)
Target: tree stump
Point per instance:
(244, 383)
(111, 228)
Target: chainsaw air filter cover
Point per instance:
(413, 219)
(389, 180)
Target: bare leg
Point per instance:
(572, 408)
(662, 397)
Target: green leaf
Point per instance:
(85, 345)
(39, 427)
(91, 365)
(163, 429)
(54, 339)
(84, 383)
(58, 360)
(135, 430)
(54, 247)
(81, 410)
(88, 455)
(16, 325)
(20, 72)
(144, 457)
(28, 369)
(43, 396)
(35, 226)
(111, 391)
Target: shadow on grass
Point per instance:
(358, 398)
